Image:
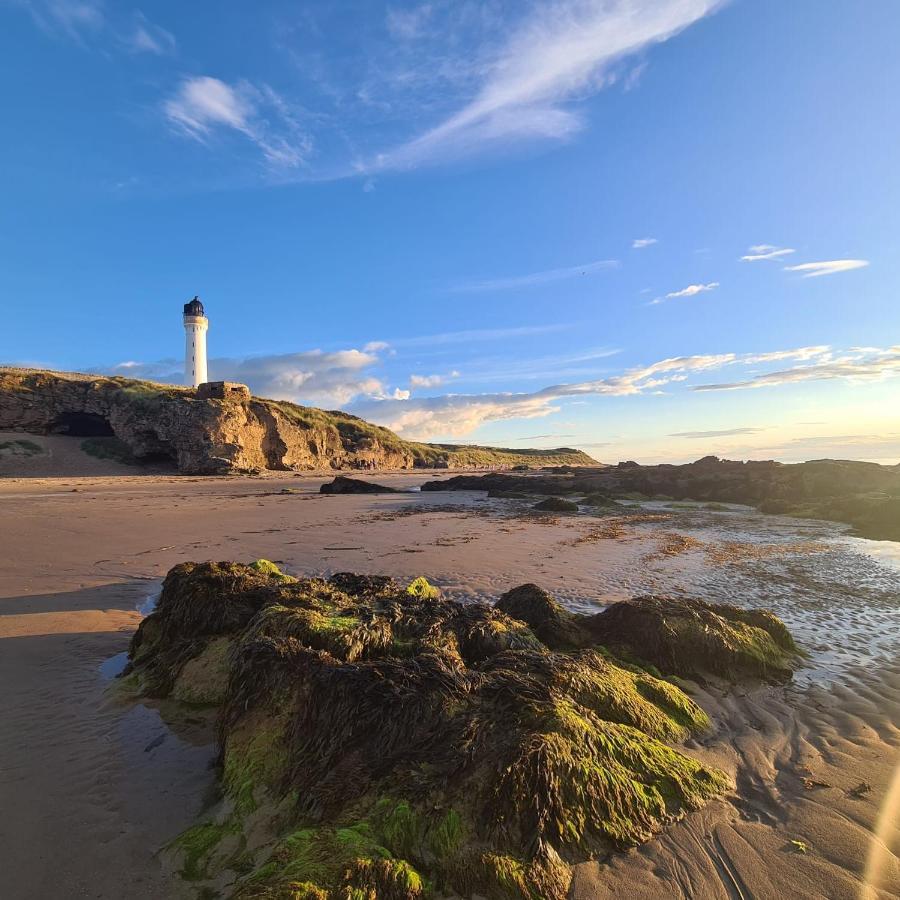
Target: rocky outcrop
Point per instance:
(344, 485)
(219, 428)
(382, 741)
(862, 494)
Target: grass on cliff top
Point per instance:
(356, 434)
(413, 744)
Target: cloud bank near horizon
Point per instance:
(351, 379)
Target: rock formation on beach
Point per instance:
(221, 429)
(862, 494)
(379, 741)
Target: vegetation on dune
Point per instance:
(20, 447)
(401, 745)
(109, 448)
(472, 456)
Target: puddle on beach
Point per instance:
(148, 604)
(115, 665)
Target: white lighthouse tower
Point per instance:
(195, 325)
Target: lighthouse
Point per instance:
(195, 325)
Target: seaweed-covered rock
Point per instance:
(401, 744)
(342, 484)
(556, 627)
(556, 504)
(601, 501)
(688, 637)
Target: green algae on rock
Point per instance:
(556, 504)
(414, 745)
(690, 637)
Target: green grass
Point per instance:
(109, 448)
(21, 447)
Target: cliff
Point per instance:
(221, 429)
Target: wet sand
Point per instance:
(91, 789)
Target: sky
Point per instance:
(649, 229)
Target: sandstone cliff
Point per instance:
(220, 428)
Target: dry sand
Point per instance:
(90, 789)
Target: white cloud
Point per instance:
(727, 432)
(74, 19)
(149, 38)
(94, 22)
(641, 243)
(203, 104)
(535, 278)
(311, 377)
(766, 251)
(408, 24)
(455, 415)
(561, 52)
(828, 267)
(801, 353)
(690, 291)
(865, 365)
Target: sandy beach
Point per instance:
(92, 788)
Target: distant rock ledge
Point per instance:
(221, 429)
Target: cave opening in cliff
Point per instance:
(82, 424)
(150, 448)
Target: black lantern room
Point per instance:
(194, 308)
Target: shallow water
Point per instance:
(148, 604)
(839, 595)
(113, 667)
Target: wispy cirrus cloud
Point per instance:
(146, 37)
(202, 106)
(558, 53)
(760, 252)
(828, 267)
(690, 291)
(726, 432)
(73, 19)
(533, 279)
(864, 364)
(643, 243)
(456, 415)
(91, 22)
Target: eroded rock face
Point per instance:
(218, 429)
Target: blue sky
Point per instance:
(652, 229)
